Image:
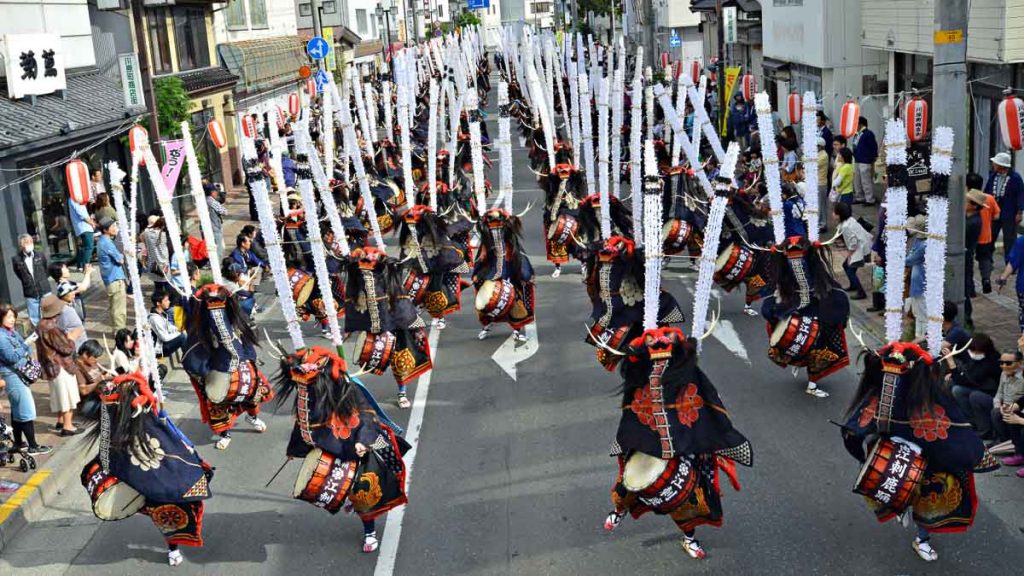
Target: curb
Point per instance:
(43, 487)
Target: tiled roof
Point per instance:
(91, 99)
(206, 80)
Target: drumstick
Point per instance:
(272, 478)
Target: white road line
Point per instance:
(508, 355)
(388, 552)
(724, 332)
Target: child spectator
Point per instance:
(90, 376)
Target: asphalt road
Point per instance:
(513, 477)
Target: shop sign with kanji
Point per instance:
(34, 64)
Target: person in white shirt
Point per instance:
(858, 247)
(168, 338)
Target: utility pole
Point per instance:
(950, 109)
(147, 76)
(652, 26)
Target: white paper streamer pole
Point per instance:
(556, 75)
(504, 144)
(677, 148)
(326, 130)
(895, 232)
(618, 81)
(702, 124)
(771, 164)
(432, 146)
(165, 199)
(652, 240)
(712, 236)
(602, 156)
(323, 184)
(364, 185)
(316, 243)
(277, 148)
(935, 247)
(810, 139)
(404, 128)
(586, 125)
(698, 127)
(674, 122)
(369, 128)
(339, 99)
(545, 118)
(275, 254)
(476, 152)
(147, 352)
(195, 180)
(574, 118)
(371, 113)
(635, 148)
(389, 122)
(649, 101)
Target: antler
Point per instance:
(956, 350)
(602, 344)
(860, 338)
(527, 209)
(714, 321)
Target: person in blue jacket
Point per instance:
(865, 152)
(1007, 186)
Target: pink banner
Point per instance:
(174, 150)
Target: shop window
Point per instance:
(190, 36)
(305, 9)
(330, 7)
(235, 15)
(159, 47)
(258, 13)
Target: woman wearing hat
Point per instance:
(987, 210)
(1007, 187)
(57, 355)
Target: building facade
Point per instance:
(902, 30)
(41, 132)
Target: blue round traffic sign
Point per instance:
(317, 48)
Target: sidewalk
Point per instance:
(994, 314)
(61, 468)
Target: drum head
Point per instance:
(217, 385)
(724, 257)
(778, 331)
(309, 465)
(118, 502)
(357, 352)
(641, 471)
(483, 295)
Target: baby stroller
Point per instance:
(26, 461)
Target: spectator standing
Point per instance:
(158, 253)
(166, 335)
(972, 230)
(865, 152)
(988, 213)
(974, 382)
(1006, 186)
(858, 247)
(915, 261)
(113, 275)
(738, 125)
(104, 209)
(822, 161)
(1013, 265)
(15, 354)
(793, 210)
(96, 186)
(824, 132)
(56, 353)
(843, 178)
(217, 213)
(69, 321)
(83, 225)
(288, 169)
(878, 259)
(30, 268)
(60, 274)
(90, 376)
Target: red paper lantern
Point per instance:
(311, 87)
(248, 128)
(281, 118)
(136, 137)
(796, 108)
(664, 60)
(749, 87)
(293, 104)
(849, 118)
(677, 68)
(916, 118)
(695, 71)
(1011, 121)
(217, 135)
(77, 176)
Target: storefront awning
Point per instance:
(91, 102)
(264, 64)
